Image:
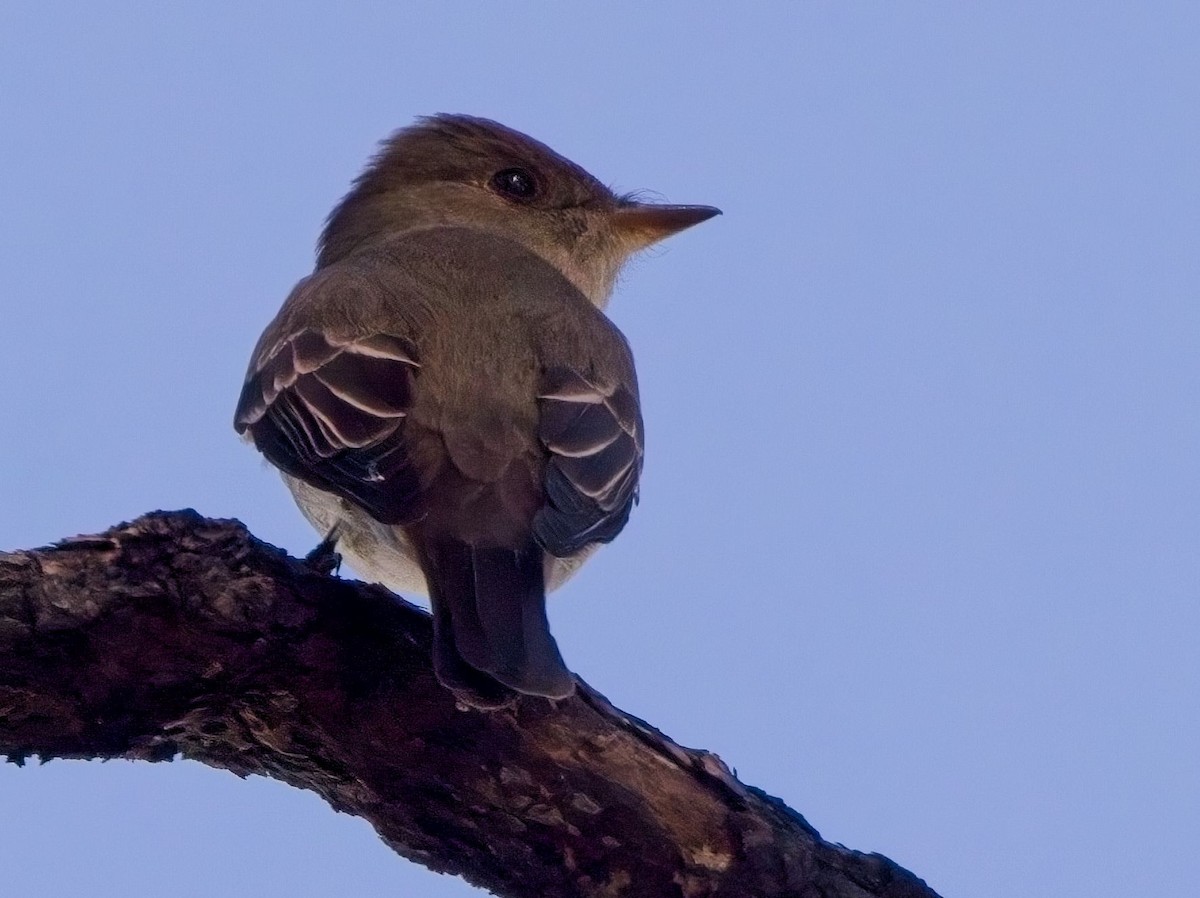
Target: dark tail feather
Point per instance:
(494, 602)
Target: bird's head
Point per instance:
(456, 170)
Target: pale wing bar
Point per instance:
(593, 433)
(331, 413)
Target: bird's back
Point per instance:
(472, 430)
(448, 398)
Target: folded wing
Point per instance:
(331, 412)
(592, 431)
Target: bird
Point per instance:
(447, 400)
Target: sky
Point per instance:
(917, 545)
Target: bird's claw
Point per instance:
(325, 558)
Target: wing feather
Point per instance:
(593, 434)
(331, 412)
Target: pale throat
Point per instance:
(594, 278)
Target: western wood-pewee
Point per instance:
(445, 397)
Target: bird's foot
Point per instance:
(325, 558)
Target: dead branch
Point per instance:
(177, 635)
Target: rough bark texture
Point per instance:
(179, 635)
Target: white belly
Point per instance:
(382, 553)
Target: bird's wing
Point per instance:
(592, 429)
(330, 411)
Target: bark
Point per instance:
(177, 635)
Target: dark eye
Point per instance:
(516, 183)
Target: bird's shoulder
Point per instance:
(327, 392)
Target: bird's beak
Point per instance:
(642, 224)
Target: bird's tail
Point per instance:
(490, 613)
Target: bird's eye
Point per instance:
(515, 183)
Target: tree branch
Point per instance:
(179, 635)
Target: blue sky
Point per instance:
(917, 547)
